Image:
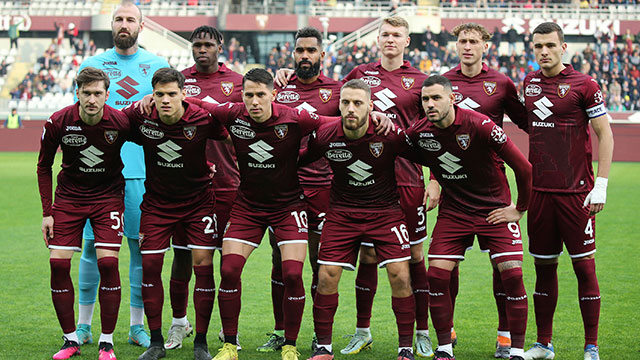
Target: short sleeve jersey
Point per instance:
(130, 78)
(91, 165)
(267, 152)
(559, 110)
(490, 93)
(321, 97)
(174, 156)
(463, 158)
(397, 94)
(363, 176)
(219, 87)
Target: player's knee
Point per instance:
(202, 257)
(152, 264)
(231, 269)
(417, 253)
(291, 272)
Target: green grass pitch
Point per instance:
(29, 328)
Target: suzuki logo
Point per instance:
(449, 162)
(543, 106)
(91, 156)
(384, 101)
(128, 90)
(261, 151)
(169, 150)
(359, 169)
(305, 106)
(468, 104)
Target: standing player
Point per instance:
(310, 90)
(130, 68)
(480, 88)
(90, 187)
(560, 103)
(461, 148)
(179, 191)
(364, 207)
(213, 82)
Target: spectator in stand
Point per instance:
(72, 33)
(92, 48)
(4, 67)
(443, 37)
(512, 37)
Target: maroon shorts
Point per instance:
(105, 219)
(224, 201)
(560, 218)
(248, 225)
(317, 199)
(344, 231)
(453, 234)
(412, 204)
(198, 224)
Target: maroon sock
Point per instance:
(179, 294)
(420, 286)
(454, 286)
(500, 295)
(516, 305)
(545, 299)
(152, 289)
(109, 293)
(366, 286)
(314, 285)
(62, 293)
(324, 309)
(405, 311)
(440, 303)
(294, 297)
(204, 294)
(229, 292)
(589, 296)
(277, 296)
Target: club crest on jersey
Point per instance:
(489, 87)
(110, 136)
(597, 97)
(144, 69)
(457, 97)
(325, 94)
(407, 82)
(189, 132)
(463, 141)
(226, 87)
(376, 148)
(563, 90)
(281, 130)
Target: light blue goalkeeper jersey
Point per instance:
(130, 80)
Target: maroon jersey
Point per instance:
(559, 110)
(463, 158)
(490, 93)
(91, 165)
(363, 179)
(321, 97)
(267, 152)
(398, 95)
(219, 87)
(174, 155)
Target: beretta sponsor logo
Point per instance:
(151, 133)
(287, 97)
(242, 132)
(533, 90)
(192, 90)
(338, 155)
(372, 81)
(74, 140)
(429, 144)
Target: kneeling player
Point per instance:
(90, 186)
(460, 147)
(364, 205)
(179, 192)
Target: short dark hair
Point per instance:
(258, 75)
(203, 30)
(437, 80)
(357, 84)
(167, 75)
(548, 28)
(91, 74)
(308, 32)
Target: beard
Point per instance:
(308, 73)
(127, 42)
